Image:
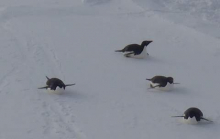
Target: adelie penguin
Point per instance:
(136, 50)
(55, 85)
(193, 116)
(162, 83)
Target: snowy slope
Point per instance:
(201, 15)
(75, 41)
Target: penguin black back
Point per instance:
(158, 79)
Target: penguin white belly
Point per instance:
(192, 121)
(168, 87)
(142, 55)
(154, 84)
(57, 91)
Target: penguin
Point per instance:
(161, 82)
(136, 50)
(53, 83)
(193, 116)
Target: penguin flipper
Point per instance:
(119, 51)
(177, 116)
(69, 84)
(206, 119)
(45, 87)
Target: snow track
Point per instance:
(59, 123)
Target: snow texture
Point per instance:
(95, 1)
(74, 40)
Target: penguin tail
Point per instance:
(45, 87)
(47, 78)
(119, 51)
(206, 119)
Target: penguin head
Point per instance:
(145, 43)
(170, 80)
(61, 84)
(53, 87)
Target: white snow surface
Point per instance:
(75, 40)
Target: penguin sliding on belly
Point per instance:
(55, 85)
(162, 83)
(136, 50)
(193, 116)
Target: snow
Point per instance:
(75, 41)
(201, 15)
